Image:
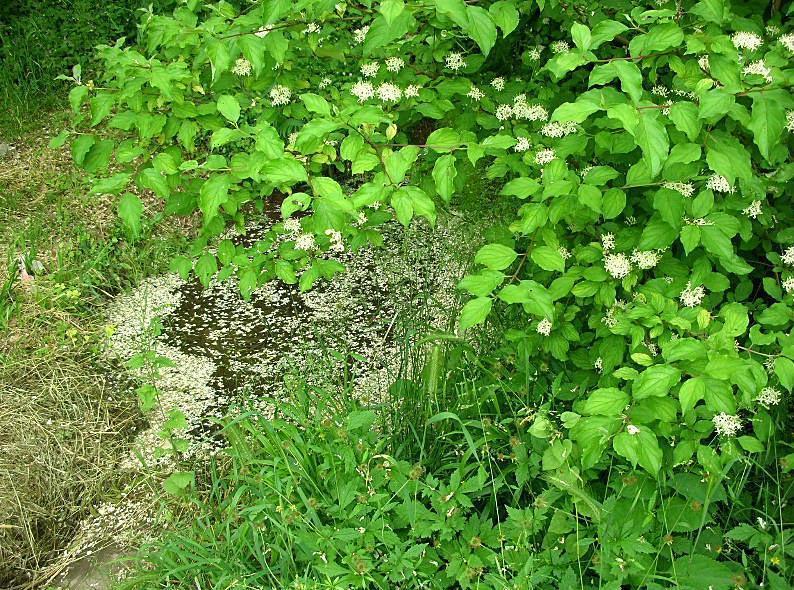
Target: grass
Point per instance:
(63, 423)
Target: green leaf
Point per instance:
(443, 140)
(548, 258)
(535, 298)
(696, 570)
(685, 118)
(641, 448)
(229, 107)
(214, 192)
(495, 256)
(179, 482)
(521, 187)
(728, 157)
(111, 186)
(575, 111)
(715, 104)
(130, 211)
(562, 63)
(659, 38)
(655, 381)
(505, 15)
(604, 31)
(444, 173)
(206, 267)
(691, 392)
(581, 36)
(652, 138)
(391, 9)
(784, 369)
(768, 119)
(481, 284)
(630, 78)
(710, 10)
(284, 171)
(77, 96)
(403, 206)
(317, 104)
(475, 312)
(481, 28)
(609, 401)
(80, 147)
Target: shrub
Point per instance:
(642, 293)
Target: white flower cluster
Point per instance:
(645, 259)
(607, 241)
(772, 30)
(558, 129)
(617, 265)
(560, 47)
(337, 245)
(292, 225)
(690, 297)
(395, 64)
(311, 28)
(522, 110)
(788, 256)
(388, 92)
(746, 40)
(564, 252)
(503, 112)
(544, 156)
(475, 94)
(790, 121)
(719, 184)
(324, 83)
(758, 68)
(769, 396)
(703, 62)
(242, 67)
(360, 34)
(598, 364)
(686, 189)
(412, 91)
(280, 95)
(369, 70)
(522, 144)
(305, 242)
(544, 327)
(788, 284)
(660, 91)
(632, 430)
(787, 41)
(533, 54)
(753, 210)
(498, 83)
(727, 425)
(454, 61)
(264, 31)
(362, 90)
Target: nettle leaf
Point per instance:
(475, 312)
(495, 256)
(130, 211)
(444, 173)
(229, 107)
(655, 381)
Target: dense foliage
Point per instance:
(643, 292)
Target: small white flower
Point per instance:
(534, 112)
(632, 430)
(280, 95)
(362, 90)
(727, 425)
(454, 61)
(360, 34)
(645, 259)
(369, 70)
(544, 327)
(292, 225)
(790, 121)
(522, 144)
(533, 54)
(544, 156)
(395, 64)
(498, 83)
(557, 130)
(305, 242)
(758, 68)
(703, 62)
(242, 67)
(788, 256)
(662, 91)
(337, 245)
(745, 40)
(564, 252)
(412, 91)
(607, 241)
(690, 297)
(560, 47)
(504, 112)
(617, 265)
(388, 92)
(686, 189)
(598, 365)
(719, 184)
(769, 396)
(324, 83)
(788, 284)
(787, 41)
(475, 93)
(311, 28)
(772, 30)
(753, 210)
(264, 31)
